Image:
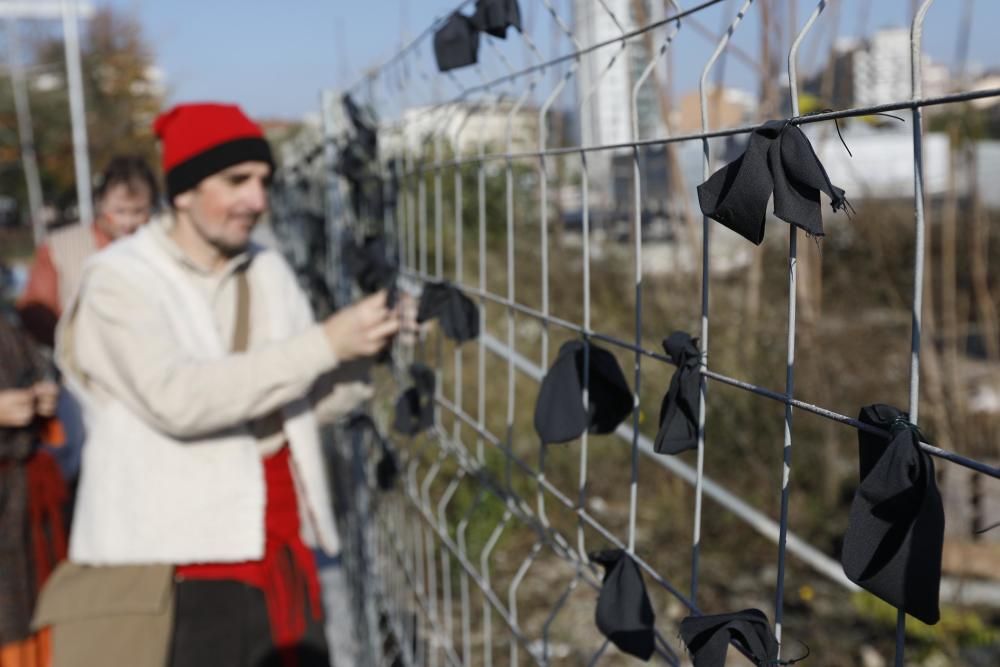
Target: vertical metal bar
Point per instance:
(637, 233)
(481, 350)
(26, 133)
(78, 116)
(793, 89)
(916, 89)
(484, 565)
(705, 273)
(544, 240)
(584, 113)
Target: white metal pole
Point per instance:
(81, 160)
(26, 133)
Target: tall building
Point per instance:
(882, 68)
(605, 116)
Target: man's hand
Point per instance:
(362, 329)
(17, 407)
(46, 396)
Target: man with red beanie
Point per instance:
(203, 374)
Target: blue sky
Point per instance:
(275, 56)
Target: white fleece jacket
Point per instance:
(170, 471)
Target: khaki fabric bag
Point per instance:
(113, 615)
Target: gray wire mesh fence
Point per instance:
(480, 556)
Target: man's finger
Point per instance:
(384, 329)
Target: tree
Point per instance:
(122, 97)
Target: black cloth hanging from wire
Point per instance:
(495, 16)
(456, 312)
(679, 409)
(415, 406)
(387, 468)
(560, 415)
(624, 613)
(369, 264)
(707, 637)
(778, 159)
(895, 532)
(456, 43)
(363, 120)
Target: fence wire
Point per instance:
(425, 591)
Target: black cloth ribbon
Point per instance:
(708, 637)
(679, 409)
(415, 406)
(495, 16)
(895, 532)
(363, 120)
(560, 415)
(456, 312)
(368, 262)
(387, 468)
(624, 613)
(456, 43)
(778, 159)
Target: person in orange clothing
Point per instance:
(32, 494)
(125, 198)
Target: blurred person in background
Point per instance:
(32, 491)
(203, 377)
(126, 195)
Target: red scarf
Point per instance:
(287, 571)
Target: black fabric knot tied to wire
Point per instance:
(624, 613)
(560, 415)
(369, 264)
(778, 159)
(679, 410)
(895, 532)
(494, 17)
(415, 406)
(457, 314)
(456, 43)
(387, 468)
(708, 638)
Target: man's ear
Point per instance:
(182, 201)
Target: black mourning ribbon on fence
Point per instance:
(364, 124)
(895, 532)
(624, 613)
(679, 409)
(707, 637)
(415, 406)
(457, 313)
(456, 43)
(778, 159)
(387, 468)
(368, 262)
(495, 16)
(560, 415)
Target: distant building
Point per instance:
(606, 111)
(728, 107)
(465, 127)
(875, 71)
(881, 68)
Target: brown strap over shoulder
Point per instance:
(272, 423)
(241, 332)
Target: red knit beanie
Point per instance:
(199, 140)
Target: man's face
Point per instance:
(224, 208)
(123, 209)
